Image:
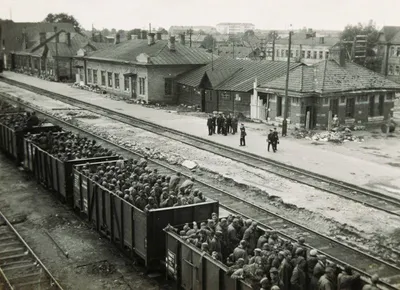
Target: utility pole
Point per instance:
(190, 32)
(273, 45)
(285, 109)
(212, 55)
(57, 67)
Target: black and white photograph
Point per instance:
(199, 145)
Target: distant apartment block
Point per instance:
(234, 28)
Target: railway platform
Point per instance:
(352, 168)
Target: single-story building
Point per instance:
(52, 50)
(140, 68)
(352, 92)
(227, 84)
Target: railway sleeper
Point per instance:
(39, 284)
(17, 257)
(18, 279)
(21, 269)
(10, 251)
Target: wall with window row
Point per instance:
(356, 109)
(306, 53)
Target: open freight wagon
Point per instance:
(53, 173)
(132, 229)
(191, 269)
(12, 141)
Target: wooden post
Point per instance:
(329, 120)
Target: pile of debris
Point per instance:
(90, 88)
(335, 136)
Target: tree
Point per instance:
(248, 33)
(208, 42)
(162, 30)
(63, 18)
(135, 31)
(369, 29)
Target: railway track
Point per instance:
(20, 268)
(349, 191)
(336, 251)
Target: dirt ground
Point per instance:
(93, 262)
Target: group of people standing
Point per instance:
(222, 124)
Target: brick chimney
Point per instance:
(338, 54)
(171, 43)
(24, 39)
(151, 39)
(117, 38)
(182, 38)
(42, 37)
(69, 39)
(143, 34)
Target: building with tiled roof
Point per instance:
(17, 36)
(306, 48)
(226, 84)
(352, 92)
(50, 50)
(141, 69)
(239, 52)
(388, 51)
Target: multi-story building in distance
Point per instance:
(234, 28)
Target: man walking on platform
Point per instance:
(214, 123)
(242, 135)
(270, 139)
(275, 140)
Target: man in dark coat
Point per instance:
(276, 140)
(242, 135)
(235, 122)
(229, 124)
(219, 124)
(210, 125)
(311, 262)
(33, 120)
(327, 281)
(298, 280)
(285, 270)
(270, 139)
(347, 280)
(214, 122)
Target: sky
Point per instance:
(265, 14)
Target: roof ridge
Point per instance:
(230, 77)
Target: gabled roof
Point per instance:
(389, 32)
(329, 77)
(244, 73)
(158, 53)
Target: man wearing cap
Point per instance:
(374, 283)
(270, 139)
(311, 262)
(285, 270)
(298, 279)
(233, 238)
(241, 252)
(327, 281)
(257, 257)
(187, 184)
(275, 280)
(275, 140)
(347, 280)
(242, 135)
(250, 236)
(210, 125)
(318, 271)
(263, 239)
(174, 181)
(215, 244)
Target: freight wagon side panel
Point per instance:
(158, 219)
(140, 223)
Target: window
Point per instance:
(238, 98)
(126, 83)
(116, 76)
(168, 87)
(315, 55)
(303, 54)
(295, 100)
(308, 54)
(398, 51)
(371, 107)
(142, 86)
(381, 104)
(326, 101)
(326, 54)
(391, 71)
(291, 53)
(397, 72)
(103, 78)
(297, 53)
(282, 53)
(321, 54)
(286, 53)
(389, 96)
(277, 53)
(81, 74)
(392, 51)
(89, 75)
(226, 95)
(110, 80)
(95, 76)
(350, 107)
(342, 99)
